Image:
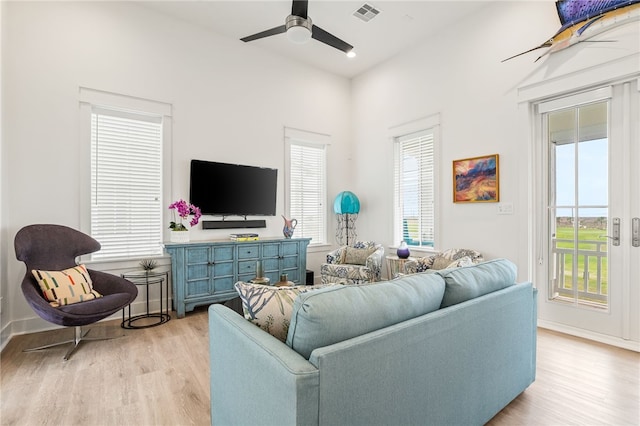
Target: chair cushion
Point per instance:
(335, 314)
(270, 307)
(96, 308)
(459, 263)
(66, 287)
(357, 256)
(444, 259)
(473, 281)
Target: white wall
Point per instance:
(230, 102)
(483, 105)
(459, 75)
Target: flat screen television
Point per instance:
(233, 189)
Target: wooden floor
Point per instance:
(160, 376)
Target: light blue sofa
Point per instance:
(452, 347)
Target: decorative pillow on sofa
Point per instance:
(72, 285)
(357, 256)
(270, 307)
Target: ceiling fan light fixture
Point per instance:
(298, 29)
(351, 54)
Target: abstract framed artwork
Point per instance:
(476, 180)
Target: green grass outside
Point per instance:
(584, 235)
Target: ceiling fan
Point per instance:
(300, 29)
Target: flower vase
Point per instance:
(179, 236)
(403, 251)
(289, 226)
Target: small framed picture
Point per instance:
(476, 180)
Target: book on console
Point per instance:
(244, 237)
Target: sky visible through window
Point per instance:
(593, 175)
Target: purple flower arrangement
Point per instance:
(184, 210)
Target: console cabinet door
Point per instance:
(290, 260)
(271, 261)
(222, 270)
(198, 282)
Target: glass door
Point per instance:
(590, 144)
(578, 205)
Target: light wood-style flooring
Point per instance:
(160, 376)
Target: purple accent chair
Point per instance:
(54, 248)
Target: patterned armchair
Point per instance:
(451, 258)
(355, 264)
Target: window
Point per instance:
(306, 183)
(414, 193)
(126, 183)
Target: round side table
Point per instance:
(148, 279)
(395, 265)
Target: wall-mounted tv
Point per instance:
(233, 189)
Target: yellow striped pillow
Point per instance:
(72, 285)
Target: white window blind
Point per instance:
(414, 195)
(307, 189)
(126, 183)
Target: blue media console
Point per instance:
(204, 272)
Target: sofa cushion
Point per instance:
(332, 315)
(473, 281)
(269, 307)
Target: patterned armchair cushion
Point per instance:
(420, 264)
(451, 258)
(357, 256)
(337, 270)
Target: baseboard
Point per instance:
(5, 336)
(590, 335)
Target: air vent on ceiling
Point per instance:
(366, 12)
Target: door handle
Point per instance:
(635, 232)
(615, 230)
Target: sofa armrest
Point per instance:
(376, 257)
(253, 374)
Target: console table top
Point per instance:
(230, 241)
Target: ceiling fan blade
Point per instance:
(327, 38)
(273, 31)
(300, 8)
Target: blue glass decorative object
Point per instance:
(346, 202)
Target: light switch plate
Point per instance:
(505, 208)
